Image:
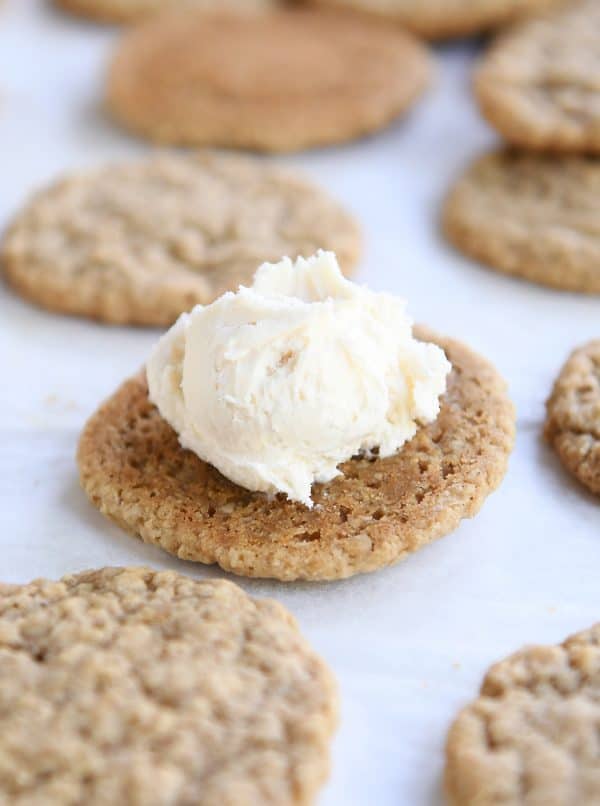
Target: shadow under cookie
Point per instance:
(134, 470)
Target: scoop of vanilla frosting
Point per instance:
(277, 384)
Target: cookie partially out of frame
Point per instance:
(531, 738)
(441, 19)
(530, 215)
(142, 242)
(539, 84)
(573, 418)
(130, 686)
(134, 470)
(282, 81)
(131, 10)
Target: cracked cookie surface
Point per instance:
(531, 738)
(539, 84)
(530, 215)
(441, 19)
(292, 79)
(142, 242)
(134, 470)
(126, 685)
(573, 415)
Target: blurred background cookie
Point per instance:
(573, 420)
(132, 686)
(281, 81)
(441, 19)
(539, 84)
(530, 215)
(144, 241)
(131, 10)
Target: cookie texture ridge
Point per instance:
(539, 84)
(282, 81)
(142, 242)
(126, 685)
(573, 415)
(442, 19)
(529, 215)
(132, 10)
(134, 470)
(532, 735)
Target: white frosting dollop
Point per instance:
(279, 383)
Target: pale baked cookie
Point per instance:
(142, 242)
(531, 738)
(539, 85)
(530, 215)
(131, 10)
(134, 470)
(130, 686)
(573, 421)
(441, 19)
(277, 82)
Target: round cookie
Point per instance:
(532, 735)
(379, 511)
(539, 84)
(131, 10)
(530, 215)
(442, 19)
(282, 81)
(573, 415)
(142, 242)
(126, 685)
